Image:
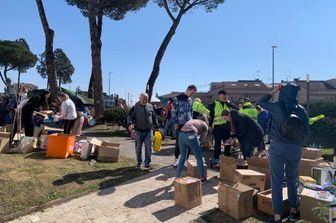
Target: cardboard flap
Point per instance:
(96, 142)
(5, 134)
(187, 180)
(110, 144)
(243, 189)
(243, 172)
(228, 160)
(259, 162)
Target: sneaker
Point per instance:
(147, 167)
(215, 164)
(294, 217)
(138, 166)
(175, 162)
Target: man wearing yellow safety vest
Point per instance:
(199, 108)
(249, 109)
(221, 129)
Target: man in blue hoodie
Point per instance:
(285, 151)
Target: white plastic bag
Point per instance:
(27, 145)
(85, 150)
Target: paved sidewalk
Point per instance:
(147, 199)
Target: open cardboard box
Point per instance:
(236, 201)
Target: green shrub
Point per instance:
(323, 132)
(116, 116)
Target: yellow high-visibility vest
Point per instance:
(219, 108)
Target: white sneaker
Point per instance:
(176, 163)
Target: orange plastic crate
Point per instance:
(60, 146)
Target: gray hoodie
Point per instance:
(280, 111)
(143, 117)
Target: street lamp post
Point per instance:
(273, 49)
(110, 83)
(308, 95)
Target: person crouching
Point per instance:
(189, 139)
(246, 130)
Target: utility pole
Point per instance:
(110, 83)
(273, 49)
(308, 94)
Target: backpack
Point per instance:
(293, 127)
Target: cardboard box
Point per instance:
(311, 153)
(228, 166)
(304, 180)
(306, 165)
(309, 201)
(265, 201)
(109, 152)
(4, 145)
(5, 135)
(251, 178)
(192, 169)
(236, 201)
(261, 165)
(323, 175)
(188, 193)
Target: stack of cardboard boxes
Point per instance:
(311, 157)
(317, 179)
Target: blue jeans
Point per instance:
(284, 158)
(188, 140)
(143, 137)
(169, 124)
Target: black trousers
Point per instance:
(68, 125)
(221, 133)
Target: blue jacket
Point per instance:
(182, 110)
(263, 120)
(286, 104)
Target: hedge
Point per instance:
(323, 132)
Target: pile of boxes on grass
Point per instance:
(58, 145)
(244, 188)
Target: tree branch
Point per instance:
(165, 5)
(196, 2)
(178, 3)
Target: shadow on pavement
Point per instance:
(166, 193)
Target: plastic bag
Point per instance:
(157, 139)
(27, 144)
(85, 150)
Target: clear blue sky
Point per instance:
(234, 42)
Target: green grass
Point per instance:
(31, 180)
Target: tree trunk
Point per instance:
(60, 81)
(19, 80)
(90, 89)
(50, 57)
(96, 46)
(159, 55)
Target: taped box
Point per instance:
(251, 178)
(236, 201)
(109, 152)
(311, 153)
(261, 165)
(192, 169)
(188, 192)
(265, 201)
(228, 166)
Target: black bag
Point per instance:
(293, 128)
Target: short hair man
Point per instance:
(181, 113)
(142, 119)
(221, 129)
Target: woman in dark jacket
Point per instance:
(27, 115)
(246, 130)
